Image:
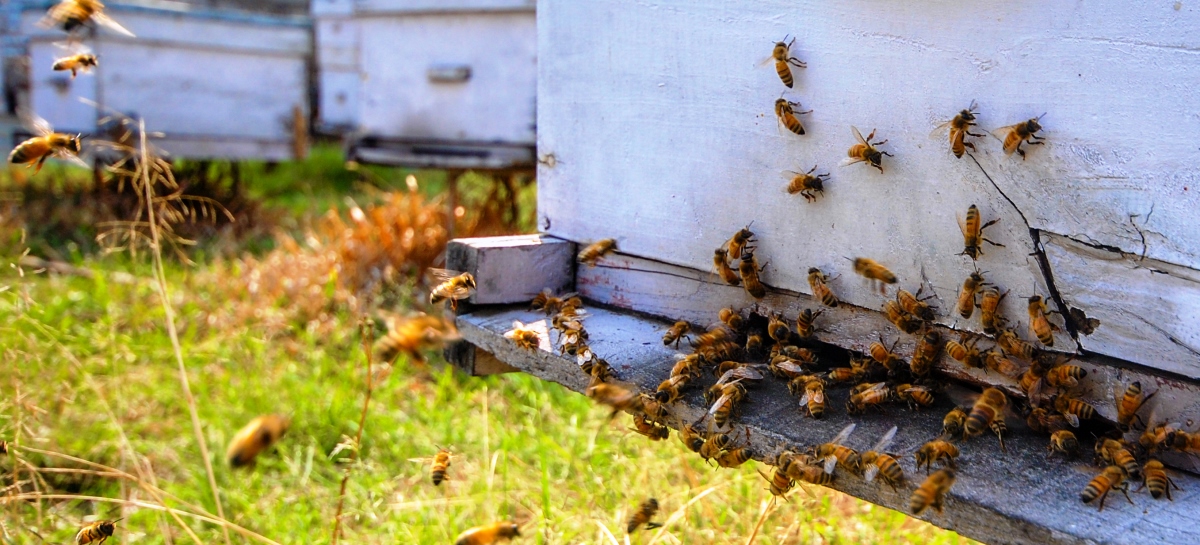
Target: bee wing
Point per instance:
(804, 398)
(442, 275)
(789, 366)
(107, 21)
(842, 435)
(830, 463)
(940, 128)
(885, 440)
(1002, 133)
(766, 60)
(71, 158)
(720, 401)
(871, 471)
(858, 135)
(34, 122)
(1072, 419)
(851, 160)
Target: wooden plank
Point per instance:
(473, 361)
(513, 269)
(1020, 497)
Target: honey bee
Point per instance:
(454, 286)
(813, 400)
(71, 15)
(691, 438)
(1080, 320)
(524, 337)
(885, 356)
(782, 56)
(972, 232)
(642, 516)
(778, 329)
(855, 373)
(1112, 478)
(721, 264)
(960, 128)
(996, 361)
(1065, 442)
(965, 352)
(902, 320)
(1013, 135)
(734, 457)
(490, 534)
(675, 333)
(925, 354)
(550, 304)
(592, 254)
(834, 454)
(731, 318)
(737, 243)
(754, 343)
(1183, 441)
(912, 305)
(1013, 345)
(441, 462)
(952, 424)
(669, 390)
(643, 426)
(655, 411)
(936, 451)
(97, 532)
(1156, 479)
(804, 323)
(617, 397)
(1065, 376)
(807, 184)
(869, 396)
(256, 437)
(785, 367)
(780, 482)
(932, 492)
(1073, 409)
(877, 462)
(738, 373)
(714, 445)
(966, 296)
(687, 366)
(865, 150)
(748, 268)
(79, 62)
(915, 396)
(722, 410)
(787, 113)
(820, 290)
(987, 409)
(411, 335)
(1039, 325)
(34, 151)
(1128, 404)
(1042, 421)
(869, 269)
(1114, 452)
(800, 471)
(989, 305)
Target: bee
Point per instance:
(1073, 409)
(834, 454)
(737, 243)
(1156, 479)
(989, 305)
(675, 333)
(936, 451)
(952, 424)
(731, 318)
(902, 320)
(617, 397)
(441, 462)
(722, 410)
(453, 286)
(996, 361)
(592, 254)
(1065, 442)
(721, 263)
(820, 290)
(932, 492)
(712, 447)
(734, 457)
(972, 232)
(71, 15)
(965, 352)
(813, 400)
(912, 305)
(925, 354)
(412, 334)
(877, 462)
(669, 390)
(687, 366)
(884, 355)
(855, 373)
(1039, 325)
(490, 534)
(1114, 452)
(782, 55)
(691, 438)
(524, 337)
(1112, 478)
(804, 323)
(97, 532)
(643, 426)
(1013, 345)
(869, 269)
(786, 112)
(803, 355)
(1082, 323)
(807, 184)
(754, 343)
(800, 471)
(785, 367)
(1014, 135)
(256, 437)
(960, 128)
(916, 396)
(748, 268)
(642, 516)
(966, 296)
(869, 396)
(34, 151)
(1042, 421)
(987, 409)
(655, 411)
(778, 329)
(550, 304)
(79, 62)
(865, 150)
(1065, 376)
(780, 482)
(1183, 441)
(737, 373)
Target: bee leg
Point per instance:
(969, 133)
(1021, 152)
(1125, 491)
(969, 145)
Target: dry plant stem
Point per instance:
(161, 277)
(766, 510)
(366, 332)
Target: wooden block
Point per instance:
(513, 269)
(469, 359)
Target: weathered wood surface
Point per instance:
(513, 269)
(662, 133)
(1019, 497)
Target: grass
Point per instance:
(86, 361)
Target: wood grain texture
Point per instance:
(513, 269)
(1021, 497)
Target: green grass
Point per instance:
(74, 351)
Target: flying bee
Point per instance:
(834, 454)
(490, 534)
(642, 516)
(869, 396)
(912, 305)
(437, 470)
(813, 400)
(34, 151)
(960, 128)
(1064, 442)
(871, 270)
(965, 306)
(453, 286)
(1114, 452)
(1039, 325)
(1014, 346)
(996, 361)
(932, 492)
(1013, 135)
(737, 243)
(1043, 421)
(925, 354)
(782, 55)
(410, 335)
(952, 424)
(786, 111)
(865, 150)
(1128, 404)
(915, 396)
(643, 426)
(989, 308)
(902, 320)
(804, 323)
(551, 305)
(806, 184)
(965, 352)
(885, 356)
(1073, 409)
(748, 268)
(987, 409)
(877, 462)
(721, 264)
(79, 62)
(972, 232)
(617, 397)
(778, 329)
(594, 251)
(936, 452)
(71, 15)
(524, 337)
(1156, 479)
(255, 437)
(675, 333)
(1112, 478)
(820, 290)
(97, 532)
(1065, 376)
